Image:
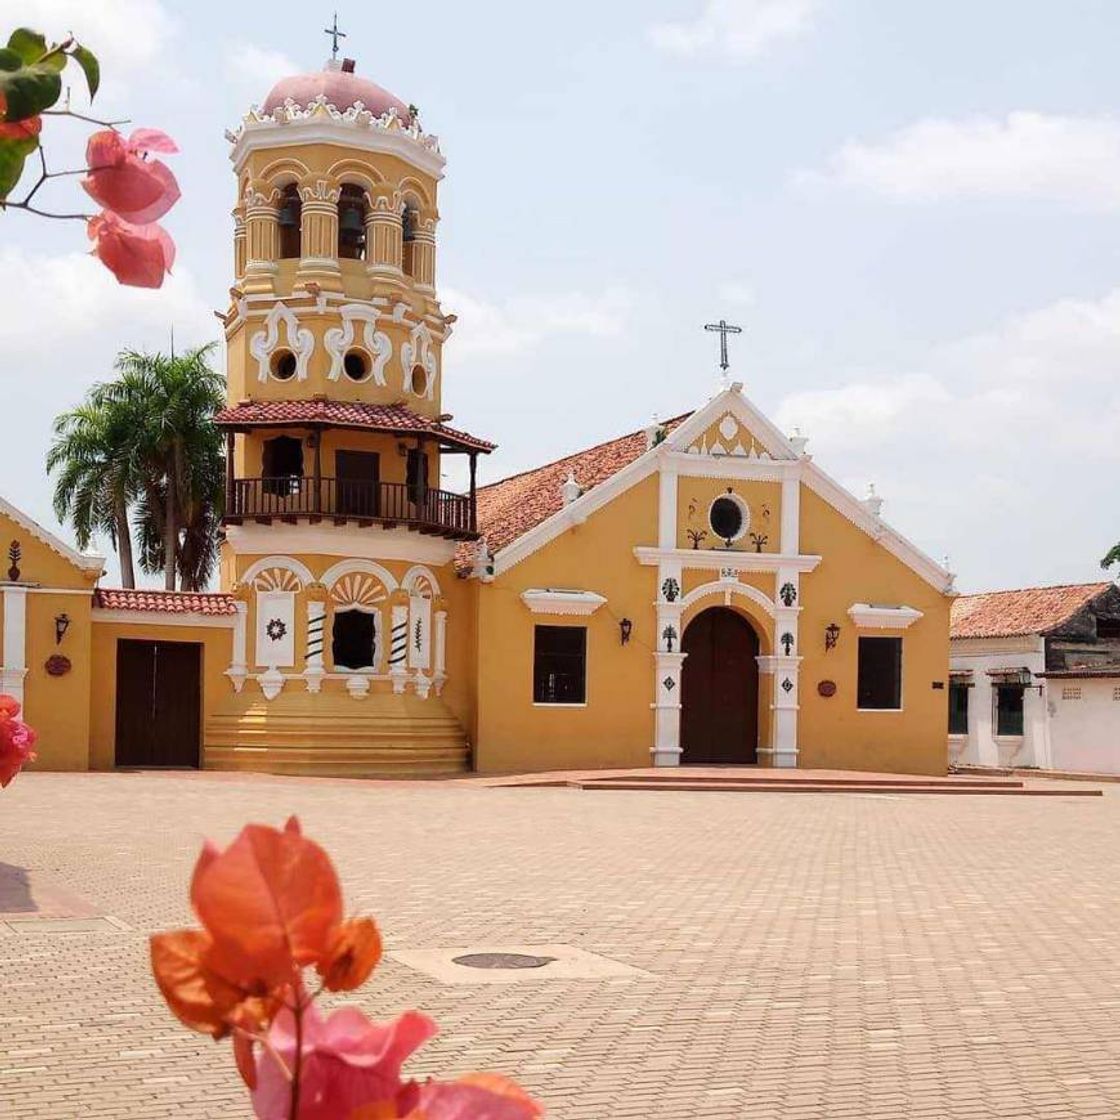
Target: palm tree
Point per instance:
(97, 477)
(178, 450)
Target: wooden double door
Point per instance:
(719, 689)
(159, 703)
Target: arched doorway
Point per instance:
(719, 689)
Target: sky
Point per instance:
(912, 209)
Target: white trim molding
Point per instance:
(90, 563)
(13, 651)
(714, 560)
(548, 600)
(867, 616)
(165, 618)
(340, 540)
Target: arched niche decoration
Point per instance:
(276, 581)
(339, 340)
(423, 590)
(358, 587)
(275, 573)
(418, 356)
(755, 605)
(300, 341)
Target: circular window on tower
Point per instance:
(418, 381)
(356, 365)
(729, 517)
(283, 365)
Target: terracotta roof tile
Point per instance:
(510, 508)
(348, 414)
(1030, 610)
(166, 602)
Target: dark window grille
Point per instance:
(560, 665)
(416, 478)
(958, 709)
(282, 463)
(1009, 709)
(879, 686)
(726, 518)
(353, 640)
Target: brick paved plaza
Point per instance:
(819, 955)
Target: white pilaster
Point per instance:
(238, 669)
(791, 514)
(13, 667)
(786, 660)
(440, 651)
(667, 662)
(1036, 728)
(667, 508)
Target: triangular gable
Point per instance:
(80, 561)
(768, 442)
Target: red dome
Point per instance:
(340, 88)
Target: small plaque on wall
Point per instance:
(826, 688)
(57, 665)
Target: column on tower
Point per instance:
(240, 236)
(262, 236)
(383, 232)
(319, 243)
(424, 251)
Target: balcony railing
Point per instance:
(290, 498)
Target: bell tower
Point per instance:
(339, 535)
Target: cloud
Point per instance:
(72, 319)
(251, 71)
(741, 295)
(737, 29)
(1075, 160)
(520, 324)
(126, 35)
(996, 448)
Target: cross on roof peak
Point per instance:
(725, 328)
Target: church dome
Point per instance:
(342, 88)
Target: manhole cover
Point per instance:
(502, 960)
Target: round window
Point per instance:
(283, 365)
(356, 365)
(729, 517)
(419, 380)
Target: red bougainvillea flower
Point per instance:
(479, 1096)
(138, 256)
(348, 1062)
(22, 130)
(123, 180)
(16, 740)
(271, 906)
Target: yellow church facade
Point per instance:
(697, 592)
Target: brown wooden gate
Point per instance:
(719, 689)
(159, 703)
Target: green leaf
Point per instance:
(13, 155)
(28, 44)
(9, 60)
(90, 67)
(29, 90)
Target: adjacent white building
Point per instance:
(1035, 678)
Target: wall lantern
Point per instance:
(831, 635)
(61, 625)
(625, 626)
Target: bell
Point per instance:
(351, 223)
(289, 216)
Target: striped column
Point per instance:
(398, 646)
(313, 672)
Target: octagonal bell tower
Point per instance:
(339, 537)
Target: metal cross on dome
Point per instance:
(335, 35)
(725, 328)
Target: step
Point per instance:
(750, 780)
(811, 787)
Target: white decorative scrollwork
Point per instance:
(419, 351)
(358, 590)
(338, 340)
(300, 341)
(277, 579)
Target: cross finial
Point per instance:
(335, 35)
(725, 328)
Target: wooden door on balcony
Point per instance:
(359, 478)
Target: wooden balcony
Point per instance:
(344, 501)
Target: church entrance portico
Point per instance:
(719, 689)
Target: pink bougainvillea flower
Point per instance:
(478, 1096)
(139, 256)
(123, 180)
(16, 740)
(348, 1063)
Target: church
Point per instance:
(698, 591)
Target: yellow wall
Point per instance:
(102, 711)
(696, 495)
(833, 733)
(616, 726)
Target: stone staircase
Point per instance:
(333, 735)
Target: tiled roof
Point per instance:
(345, 414)
(166, 602)
(510, 508)
(1031, 610)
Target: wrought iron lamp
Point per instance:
(61, 625)
(625, 626)
(831, 635)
